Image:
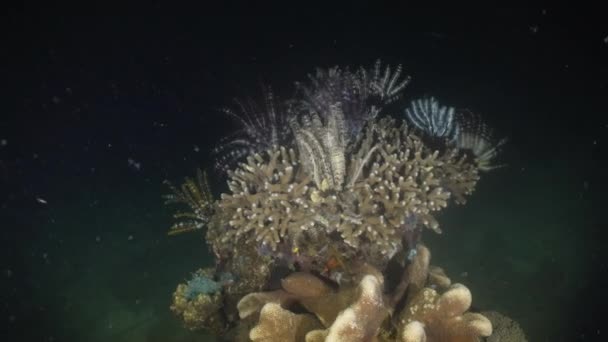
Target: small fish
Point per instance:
(41, 200)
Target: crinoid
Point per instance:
(362, 93)
(386, 84)
(322, 145)
(194, 193)
(435, 120)
(261, 127)
(478, 138)
(336, 85)
(460, 129)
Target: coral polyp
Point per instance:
(323, 203)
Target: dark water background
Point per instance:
(99, 109)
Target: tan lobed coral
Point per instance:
(254, 302)
(414, 277)
(308, 291)
(366, 313)
(278, 324)
(443, 317)
(413, 332)
(362, 319)
(350, 314)
(438, 279)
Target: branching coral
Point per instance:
(369, 189)
(268, 202)
(393, 182)
(194, 193)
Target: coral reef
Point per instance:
(318, 236)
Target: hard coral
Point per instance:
(305, 285)
(199, 311)
(391, 183)
(362, 319)
(414, 277)
(201, 283)
(444, 317)
(413, 332)
(254, 302)
(438, 279)
(268, 203)
(363, 312)
(278, 324)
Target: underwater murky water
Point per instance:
(99, 116)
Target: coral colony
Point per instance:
(318, 237)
